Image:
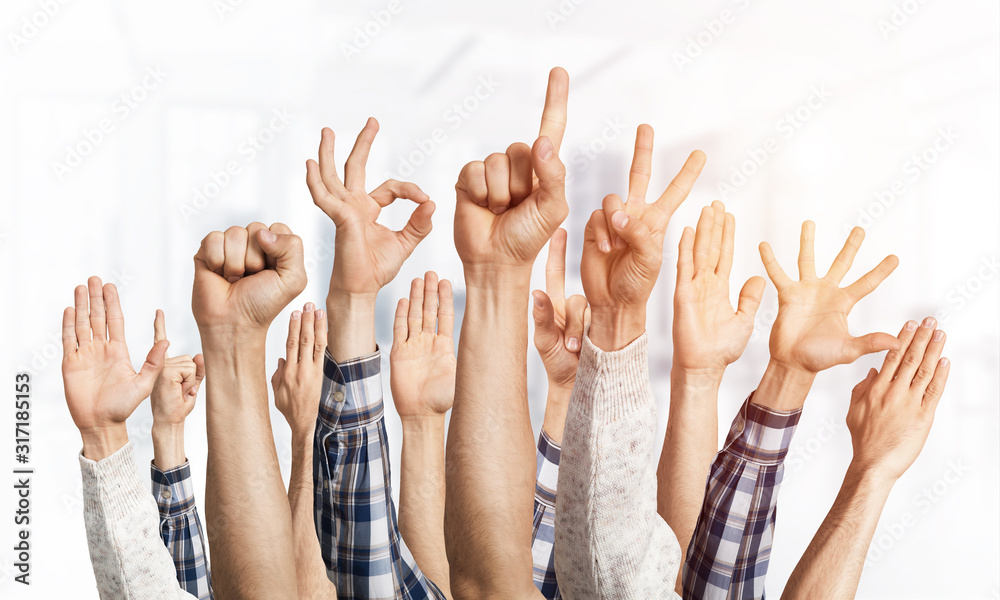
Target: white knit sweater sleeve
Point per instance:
(610, 541)
(129, 558)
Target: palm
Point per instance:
(810, 331)
(377, 255)
(423, 375)
(101, 385)
(703, 312)
(422, 360)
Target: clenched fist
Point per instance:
(244, 277)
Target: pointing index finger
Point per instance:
(554, 114)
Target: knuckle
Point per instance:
(924, 372)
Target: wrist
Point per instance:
(492, 278)
(422, 424)
(102, 442)
(783, 387)
(613, 328)
(869, 477)
(707, 379)
(168, 445)
(351, 322)
(231, 340)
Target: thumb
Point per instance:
(647, 252)
(871, 343)
(417, 228)
(151, 369)
(551, 173)
(750, 295)
(544, 314)
(285, 249)
(278, 373)
(862, 388)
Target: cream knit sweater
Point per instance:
(610, 541)
(129, 558)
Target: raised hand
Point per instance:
(244, 277)
(509, 205)
(559, 321)
(810, 332)
(368, 254)
(892, 411)
(623, 246)
(176, 389)
(298, 380)
(708, 334)
(422, 360)
(102, 389)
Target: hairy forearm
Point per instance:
(832, 564)
(351, 318)
(490, 448)
(421, 496)
(168, 445)
(783, 388)
(309, 566)
(556, 406)
(691, 442)
(249, 522)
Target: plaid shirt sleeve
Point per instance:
(543, 528)
(355, 515)
(180, 528)
(729, 551)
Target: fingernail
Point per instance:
(267, 235)
(605, 246)
(309, 307)
(928, 322)
(296, 315)
(538, 301)
(573, 344)
(545, 149)
(944, 362)
(320, 314)
(911, 325)
(938, 335)
(619, 219)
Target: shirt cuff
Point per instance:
(612, 385)
(111, 486)
(547, 474)
(352, 391)
(173, 489)
(761, 435)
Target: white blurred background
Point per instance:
(119, 121)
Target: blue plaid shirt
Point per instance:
(543, 535)
(731, 546)
(180, 528)
(355, 515)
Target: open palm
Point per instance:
(810, 331)
(102, 388)
(422, 360)
(708, 333)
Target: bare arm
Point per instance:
(422, 376)
(243, 279)
(708, 336)
(890, 418)
(502, 220)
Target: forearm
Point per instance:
(351, 330)
(783, 388)
(168, 445)
(490, 446)
(421, 496)
(832, 564)
(310, 568)
(691, 442)
(247, 509)
(611, 541)
(126, 551)
(556, 405)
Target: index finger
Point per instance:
(555, 268)
(554, 114)
(159, 327)
(680, 187)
